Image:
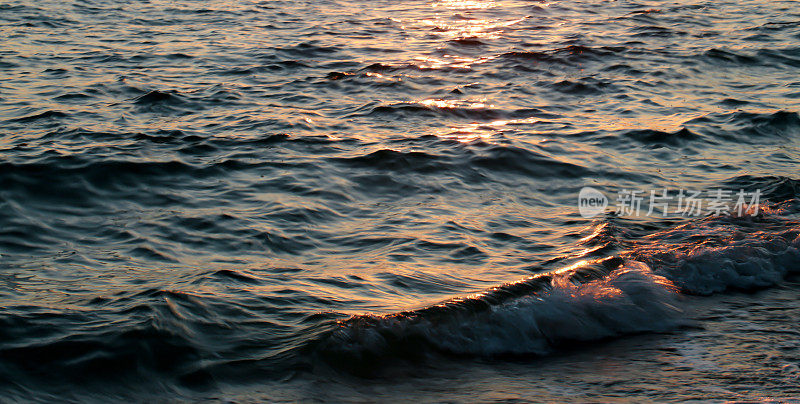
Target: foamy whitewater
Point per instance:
(282, 201)
(590, 300)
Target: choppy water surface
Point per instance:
(268, 200)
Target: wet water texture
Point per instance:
(365, 201)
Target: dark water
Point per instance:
(196, 196)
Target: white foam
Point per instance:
(714, 255)
(630, 299)
(585, 303)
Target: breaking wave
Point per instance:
(636, 291)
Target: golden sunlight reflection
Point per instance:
(469, 28)
(598, 231)
(383, 77)
(465, 4)
(487, 131)
(668, 123)
(453, 104)
(443, 23)
(484, 131)
(452, 61)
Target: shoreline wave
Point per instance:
(636, 291)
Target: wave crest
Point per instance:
(637, 291)
(582, 303)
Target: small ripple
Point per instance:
(42, 116)
(659, 138)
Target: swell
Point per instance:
(162, 339)
(469, 161)
(751, 127)
(101, 174)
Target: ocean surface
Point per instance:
(341, 201)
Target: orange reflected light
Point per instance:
(383, 77)
(469, 28)
(453, 104)
(452, 61)
(482, 131)
(464, 4)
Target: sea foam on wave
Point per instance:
(561, 307)
(638, 291)
(716, 254)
